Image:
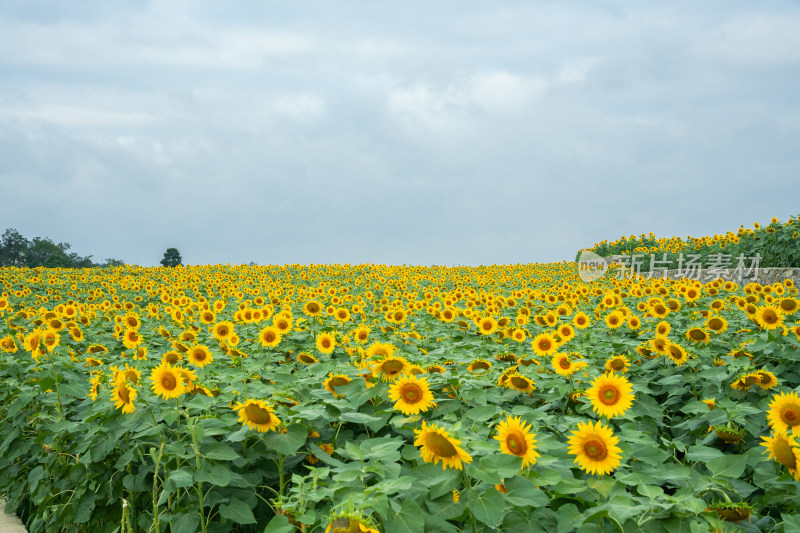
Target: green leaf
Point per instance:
(359, 418)
(523, 493)
(221, 452)
(410, 518)
(488, 507)
(727, 466)
(185, 522)
(216, 474)
(701, 454)
(237, 511)
(279, 524)
(178, 479)
(289, 442)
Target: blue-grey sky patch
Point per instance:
(445, 133)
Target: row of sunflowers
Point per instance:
(379, 398)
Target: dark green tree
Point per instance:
(13, 248)
(44, 252)
(172, 258)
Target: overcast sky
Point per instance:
(449, 132)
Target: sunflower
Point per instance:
(611, 395)
(487, 325)
(335, 380)
(171, 357)
(789, 306)
(283, 322)
(581, 321)
(167, 381)
(745, 380)
(435, 369)
(717, 324)
(436, 445)
(361, 334)
(94, 388)
(270, 336)
(769, 317)
(564, 365)
(390, 367)
(411, 394)
(222, 330)
(594, 448)
(516, 439)
(199, 356)
(380, 349)
(544, 344)
(325, 342)
(698, 336)
(614, 320)
(306, 358)
(784, 412)
(8, 345)
(766, 379)
(258, 415)
(131, 339)
(312, 308)
(520, 383)
(783, 447)
(711, 403)
(677, 354)
(617, 363)
(123, 395)
(479, 364)
(131, 374)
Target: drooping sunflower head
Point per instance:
(611, 395)
(390, 367)
(766, 379)
(479, 365)
(436, 446)
(258, 415)
(335, 380)
(123, 395)
(411, 394)
(306, 358)
(784, 448)
(784, 412)
(516, 438)
(520, 383)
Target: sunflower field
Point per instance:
(374, 398)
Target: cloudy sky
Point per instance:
(448, 132)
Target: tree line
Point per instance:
(17, 251)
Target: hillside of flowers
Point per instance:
(777, 244)
(374, 398)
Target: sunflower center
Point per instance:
(608, 395)
(544, 345)
(595, 449)
(339, 381)
(440, 445)
(169, 382)
(516, 444)
(564, 363)
(392, 367)
(326, 343)
(132, 377)
(480, 365)
(122, 390)
(770, 317)
(790, 414)
(519, 382)
(697, 334)
(222, 332)
(784, 453)
(715, 324)
(411, 393)
(256, 414)
(676, 353)
(269, 336)
(199, 355)
(617, 364)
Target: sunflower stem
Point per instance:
(55, 379)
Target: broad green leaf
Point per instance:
(237, 511)
(289, 442)
(488, 506)
(727, 466)
(409, 519)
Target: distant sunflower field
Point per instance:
(373, 398)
